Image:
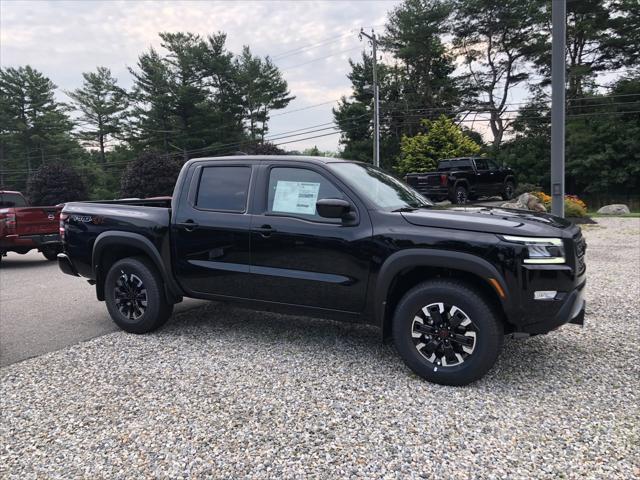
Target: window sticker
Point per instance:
(296, 197)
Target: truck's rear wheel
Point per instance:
(135, 296)
(508, 190)
(446, 332)
(460, 195)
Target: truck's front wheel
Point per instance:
(446, 332)
(135, 296)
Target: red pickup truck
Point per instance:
(23, 228)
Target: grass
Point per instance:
(626, 215)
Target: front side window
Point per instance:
(493, 165)
(295, 191)
(224, 188)
(481, 164)
(383, 190)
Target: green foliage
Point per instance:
(493, 39)
(150, 175)
(263, 148)
(55, 183)
(442, 139)
(102, 104)
(34, 126)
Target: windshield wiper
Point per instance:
(409, 209)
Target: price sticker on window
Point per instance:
(296, 197)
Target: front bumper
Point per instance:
(571, 310)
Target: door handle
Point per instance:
(189, 225)
(265, 230)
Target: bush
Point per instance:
(443, 139)
(573, 206)
(55, 183)
(150, 175)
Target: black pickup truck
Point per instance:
(338, 239)
(463, 179)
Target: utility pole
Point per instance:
(558, 66)
(376, 99)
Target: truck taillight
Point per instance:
(443, 180)
(63, 217)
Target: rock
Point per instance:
(526, 201)
(614, 209)
(515, 205)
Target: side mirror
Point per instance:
(333, 208)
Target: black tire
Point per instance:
(460, 195)
(480, 350)
(51, 253)
(135, 297)
(508, 191)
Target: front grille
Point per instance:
(580, 246)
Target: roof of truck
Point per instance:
(305, 158)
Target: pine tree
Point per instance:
(103, 105)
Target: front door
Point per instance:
(210, 231)
(299, 257)
(484, 180)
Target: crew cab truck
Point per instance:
(339, 239)
(23, 228)
(464, 179)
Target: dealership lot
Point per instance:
(228, 392)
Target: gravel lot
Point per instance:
(229, 393)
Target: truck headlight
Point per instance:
(540, 250)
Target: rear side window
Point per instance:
(224, 188)
(462, 164)
(11, 200)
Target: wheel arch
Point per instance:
(112, 246)
(405, 269)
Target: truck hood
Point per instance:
(493, 220)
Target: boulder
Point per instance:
(526, 201)
(614, 209)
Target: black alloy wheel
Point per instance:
(447, 331)
(443, 334)
(461, 195)
(509, 191)
(135, 295)
(130, 296)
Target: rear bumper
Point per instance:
(433, 191)
(66, 265)
(30, 241)
(571, 310)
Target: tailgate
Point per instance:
(423, 179)
(37, 220)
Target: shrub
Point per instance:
(573, 206)
(150, 175)
(443, 139)
(55, 183)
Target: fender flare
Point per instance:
(129, 239)
(403, 259)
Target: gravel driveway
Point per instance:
(229, 393)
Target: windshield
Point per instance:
(385, 191)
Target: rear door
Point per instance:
(298, 257)
(210, 230)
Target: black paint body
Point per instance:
(481, 177)
(354, 270)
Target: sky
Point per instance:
(311, 41)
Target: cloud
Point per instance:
(65, 38)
